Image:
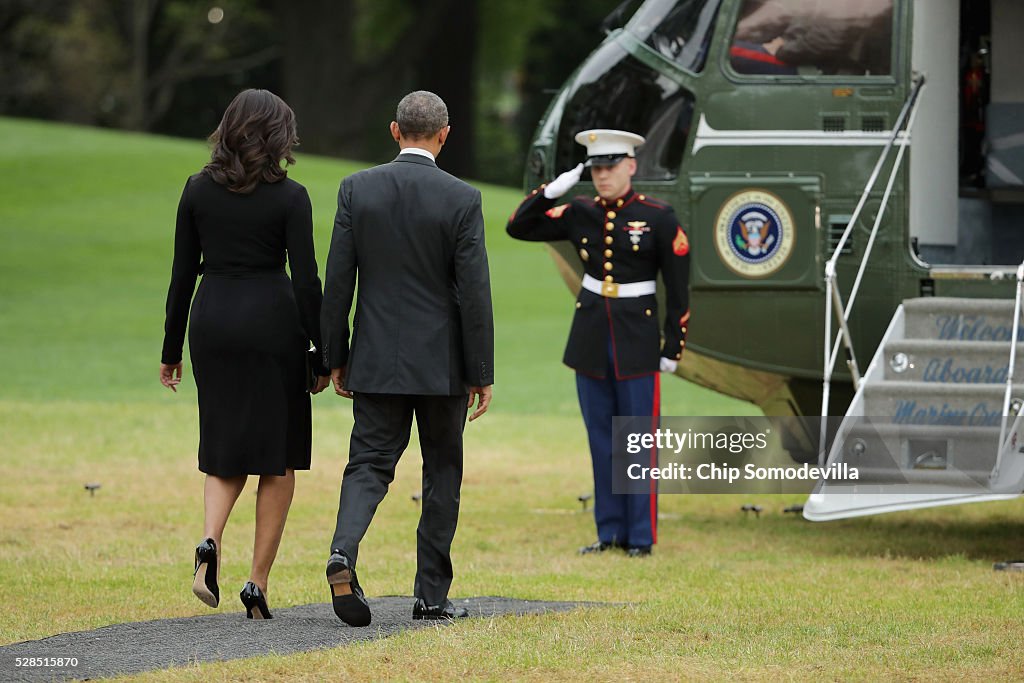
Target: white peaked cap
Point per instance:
(605, 142)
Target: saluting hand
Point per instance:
(170, 376)
(563, 183)
(485, 394)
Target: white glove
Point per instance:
(560, 185)
(668, 365)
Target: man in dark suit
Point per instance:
(422, 341)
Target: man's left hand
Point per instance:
(338, 379)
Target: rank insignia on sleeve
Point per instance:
(556, 211)
(680, 245)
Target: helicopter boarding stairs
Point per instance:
(925, 425)
(933, 420)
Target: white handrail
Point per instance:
(1010, 371)
(911, 101)
(867, 254)
(842, 312)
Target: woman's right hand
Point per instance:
(321, 383)
(170, 376)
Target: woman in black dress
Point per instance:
(250, 328)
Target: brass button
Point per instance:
(609, 278)
(636, 247)
(684, 330)
(578, 304)
(609, 225)
(618, 203)
(598, 199)
(608, 265)
(678, 356)
(608, 239)
(642, 197)
(611, 214)
(607, 253)
(534, 192)
(647, 312)
(543, 185)
(682, 342)
(583, 241)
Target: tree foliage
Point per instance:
(171, 66)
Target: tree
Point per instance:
(122, 62)
(347, 62)
(171, 66)
(173, 43)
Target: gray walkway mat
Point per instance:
(142, 646)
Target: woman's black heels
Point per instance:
(204, 583)
(255, 602)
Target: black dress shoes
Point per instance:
(597, 547)
(421, 610)
(347, 597)
(255, 602)
(638, 551)
(204, 581)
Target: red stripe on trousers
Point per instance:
(655, 413)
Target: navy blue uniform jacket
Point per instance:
(630, 239)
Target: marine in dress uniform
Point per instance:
(624, 239)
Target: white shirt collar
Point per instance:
(418, 150)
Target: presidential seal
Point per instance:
(754, 233)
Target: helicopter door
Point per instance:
(932, 153)
(968, 199)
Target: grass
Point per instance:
(85, 233)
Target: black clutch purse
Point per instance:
(312, 363)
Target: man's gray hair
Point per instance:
(421, 114)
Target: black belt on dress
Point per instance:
(221, 271)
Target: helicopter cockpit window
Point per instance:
(616, 90)
(809, 38)
(678, 29)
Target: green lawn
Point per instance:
(86, 218)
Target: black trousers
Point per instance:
(379, 437)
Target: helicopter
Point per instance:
(851, 179)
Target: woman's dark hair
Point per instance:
(255, 134)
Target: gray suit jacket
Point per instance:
(423, 321)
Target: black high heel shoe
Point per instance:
(255, 602)
(204, 582)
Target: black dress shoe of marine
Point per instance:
(421, 610)
(255, 602)
(597, 547)
(204, 581)
(638, 551)
(347, 597)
